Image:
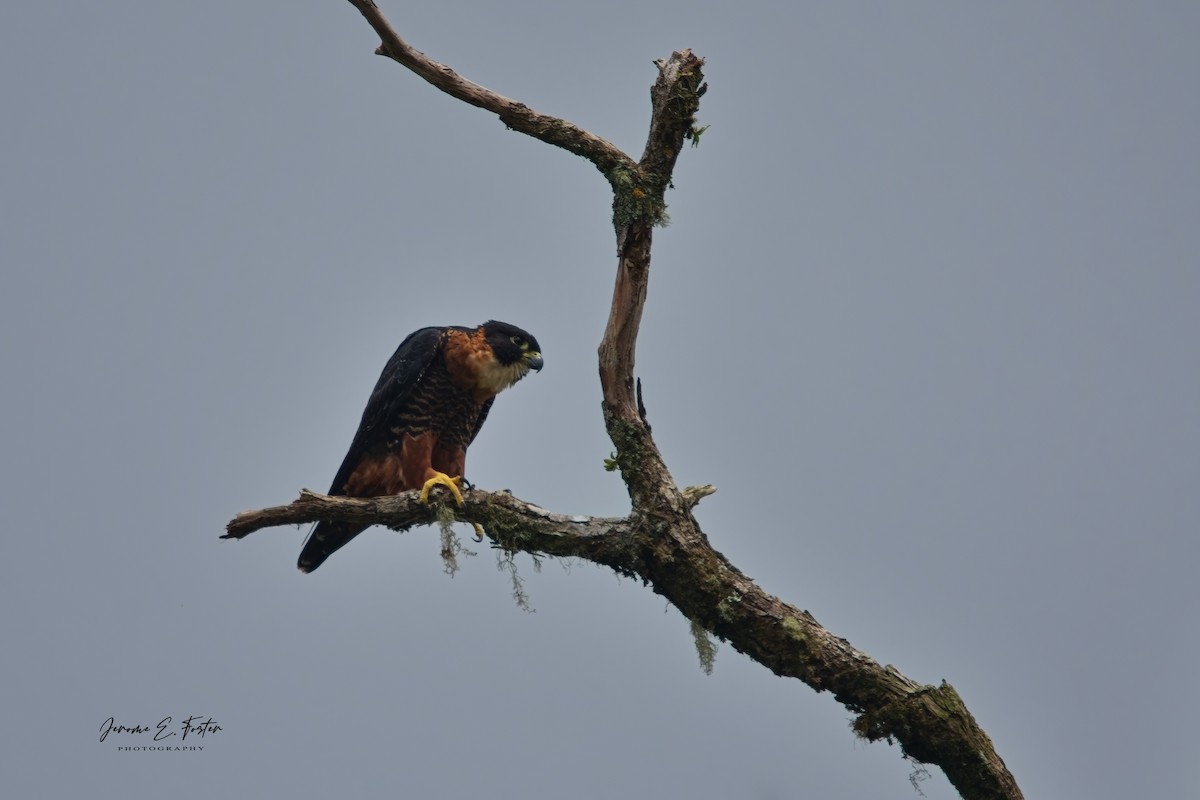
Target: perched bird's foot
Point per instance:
(478, 531)
(442, 479)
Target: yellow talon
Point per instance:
(442, 479)
(478, 531)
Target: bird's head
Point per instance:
(515, 352)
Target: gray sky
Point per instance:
(926, 314)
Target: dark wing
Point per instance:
(401, 375)
(483, 412)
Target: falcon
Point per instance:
(427, 408)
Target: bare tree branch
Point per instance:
(660, 541)
(511, 523)
(930, 722)
(607, 157)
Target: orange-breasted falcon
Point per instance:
(427, 407)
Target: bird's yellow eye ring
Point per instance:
(519, 341)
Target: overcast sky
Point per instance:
(927, 314)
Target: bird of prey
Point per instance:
(427, 408)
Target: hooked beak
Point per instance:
(534, 360)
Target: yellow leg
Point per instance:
(442, 479)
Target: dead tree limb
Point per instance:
(607, 157)
(660, 541)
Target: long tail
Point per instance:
(325, 539)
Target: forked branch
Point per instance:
(660, 541)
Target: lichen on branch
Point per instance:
(660, 540)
